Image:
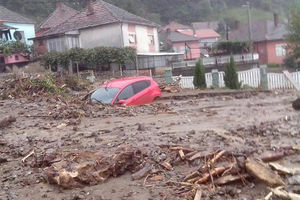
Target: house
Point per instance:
(14, 27)
(207, 37)
(102, 24)
(193, 42)
(61, 14)
(268, 39)
(182, 43)
(175, 26)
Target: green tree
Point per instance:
(231, 76)
(199, 75)
(293, 37)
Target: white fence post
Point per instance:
(276, 81)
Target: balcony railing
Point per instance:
(220, 60)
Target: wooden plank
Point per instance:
(291, 80)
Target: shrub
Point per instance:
(92, 57)
(199, 75)
(76, 84)
(273, 65)
(231, 76)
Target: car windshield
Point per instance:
(104, 95)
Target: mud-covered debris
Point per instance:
(77, 170)
(170, 88)
(142, 173)
(230, 179)
(285, 170)
(281, 193)
(7, 121)
(141, 127)
(3, 160)
(262, 172)
(296, 104)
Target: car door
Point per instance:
(143, 94)
(126, 94)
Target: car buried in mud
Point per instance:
(127, 91)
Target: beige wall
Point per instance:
(107, 35)
(142, 43)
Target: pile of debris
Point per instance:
(296, 104)
(65, 110)
(39, 85)
(170, 88)
(92, 168)
(204, 171)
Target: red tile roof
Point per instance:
(202, 34)
(60, 15)
(174, 26)
(103, 13)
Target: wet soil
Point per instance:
(252, 124)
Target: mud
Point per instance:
(247, 124)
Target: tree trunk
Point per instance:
(70, 68)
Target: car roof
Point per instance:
(120, 83)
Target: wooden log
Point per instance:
(285, 170)
(216, 158)
(181, 154)
(192, 175)
(214, 172)
(196, 156)
(262, 172)
(230, 179)
(177, 148)
(167, 165)
(273, 157)
(198, 195)
(279, 192)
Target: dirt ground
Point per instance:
(247, 123)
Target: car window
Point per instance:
(104, 95)
(140, 86)
(126, 93)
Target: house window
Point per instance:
(16, 57)
(73, 42)
(57, 44)
(132, 38)
(280, 50)
(151, 39)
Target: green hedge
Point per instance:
(91, 57)
(232, 47)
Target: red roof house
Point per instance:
(268, 39)
(102, 24)
(61, 14)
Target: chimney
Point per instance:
(58, 4)
(276, 19)
(89, 7)
(237, 24)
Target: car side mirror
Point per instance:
(121, 102)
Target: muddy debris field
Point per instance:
(189, 145)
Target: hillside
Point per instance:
(163, 11)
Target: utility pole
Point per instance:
(250, 27)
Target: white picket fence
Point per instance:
(251, 78)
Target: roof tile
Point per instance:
(7, 15)
(104, 13)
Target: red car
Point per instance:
(128, 91)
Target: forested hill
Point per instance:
(163, 11)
